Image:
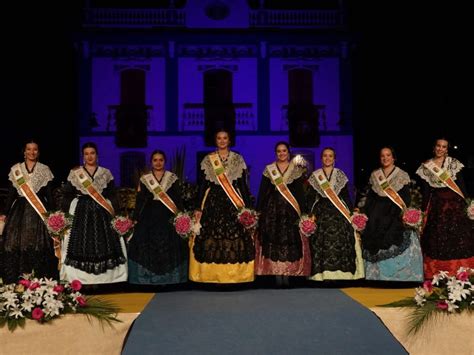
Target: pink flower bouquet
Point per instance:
(58, 223)
(307, 225)
(470, 210)
(413, 218)
(247, 218)
(185, 225)
(122, 225)
(359, 221)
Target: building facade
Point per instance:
(167, 77)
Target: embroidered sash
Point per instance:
(332, 196)
(86, 182)
(30, 195)
(219, 170)
(389, 191)
(443, 176)
(156, 189)
(277, 179)
(35, 202)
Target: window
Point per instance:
(302, 113)
(219, 111)
(131, 116)
(132, 165)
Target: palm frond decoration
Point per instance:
(103, 310)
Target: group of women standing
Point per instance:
(224, 251)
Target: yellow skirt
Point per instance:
(219, 273)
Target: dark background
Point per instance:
(411, 68)
(411, 63)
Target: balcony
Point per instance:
(142, 111)
(296, 18)
(193, 117)
(320, 113)
(134, 18)
(172, 17)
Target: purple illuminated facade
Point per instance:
(151, 78)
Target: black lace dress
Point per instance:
(26, 245)
(448, 237)
(280, 249)
(92, 252)
(156, 253)
(336, 253)
(391, 250)
(224, 251)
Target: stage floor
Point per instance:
(134, 302)
(445, 334)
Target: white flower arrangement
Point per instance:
(45, 299)
(443, 294)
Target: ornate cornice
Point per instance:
(217, 51)
(291, 51)
(229, 67)
(128, 51)
(311, 67)
(120, 67)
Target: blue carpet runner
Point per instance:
(262, 321)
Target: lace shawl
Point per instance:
(167, 180)
(39, 178)
(397, 179)
(101, 179)
(234, 167)
(291, 174)
(337, 181)
(451, 165)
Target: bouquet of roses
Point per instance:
(413, 218)
(359, 221)
(185, 225)
(58, 223)
(122, 225)
(307, 225)
(45, 299)
(444, 294)
(248, 218)
(470, 209)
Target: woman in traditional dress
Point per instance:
(335, 247)
(93, 252)
(280, 248)
(27, 246)
(224, 251)
(448, 236)
(157, 255)
(391, 250)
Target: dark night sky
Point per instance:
(410, 65)
(37, 84)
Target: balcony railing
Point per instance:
(141, 18)
(296, 18)
(321, 114)
(112, 116)
(149, 18)
(193, 117)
